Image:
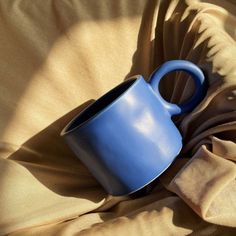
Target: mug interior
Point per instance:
(99, 105)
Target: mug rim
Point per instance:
(135, 78)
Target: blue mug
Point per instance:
(127, 138)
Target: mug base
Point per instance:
(144, 189)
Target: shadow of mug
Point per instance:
(52, 162)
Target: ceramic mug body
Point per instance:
(127, 138)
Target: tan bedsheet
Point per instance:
(56, 56)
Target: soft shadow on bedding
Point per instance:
(51, 161)
(151, 53)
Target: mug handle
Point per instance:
(179, 65)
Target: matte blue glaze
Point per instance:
(127, 138)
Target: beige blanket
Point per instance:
(56, 56)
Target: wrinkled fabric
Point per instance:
(59, 56)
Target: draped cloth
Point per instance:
(59, 56)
